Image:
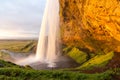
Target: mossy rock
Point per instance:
(78, 56)
(28, 67)
(97, 61)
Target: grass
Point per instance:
(6, 64)
(97, 61)
(77, 55)
(29, 47)
(17, 46)
(29, 74)
(11, 71)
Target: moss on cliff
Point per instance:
(97, 61)
(79, 56)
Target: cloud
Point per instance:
(22, 16)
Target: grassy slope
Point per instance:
(97, 61)
(79, 56)
(10, 71)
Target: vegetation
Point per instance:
(97, 61)
(92, 30)
(11, 71)
(4, 56)
(26, 74)
(86, 24)
(18, 46)
(6, 64)
(77, 55)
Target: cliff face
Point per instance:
(91, 24)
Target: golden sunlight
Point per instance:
(10, 34)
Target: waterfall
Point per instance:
(48, 38)
(48, 47)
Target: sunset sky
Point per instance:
(20, 18)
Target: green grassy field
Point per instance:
(18, 45)
(10, 71)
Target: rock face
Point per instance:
(91, 24)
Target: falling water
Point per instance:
(48, 39)
(48, 47)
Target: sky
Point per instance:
(20, 19)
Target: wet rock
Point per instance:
(91, 24)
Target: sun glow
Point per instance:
(12, 34)
(5, 33)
